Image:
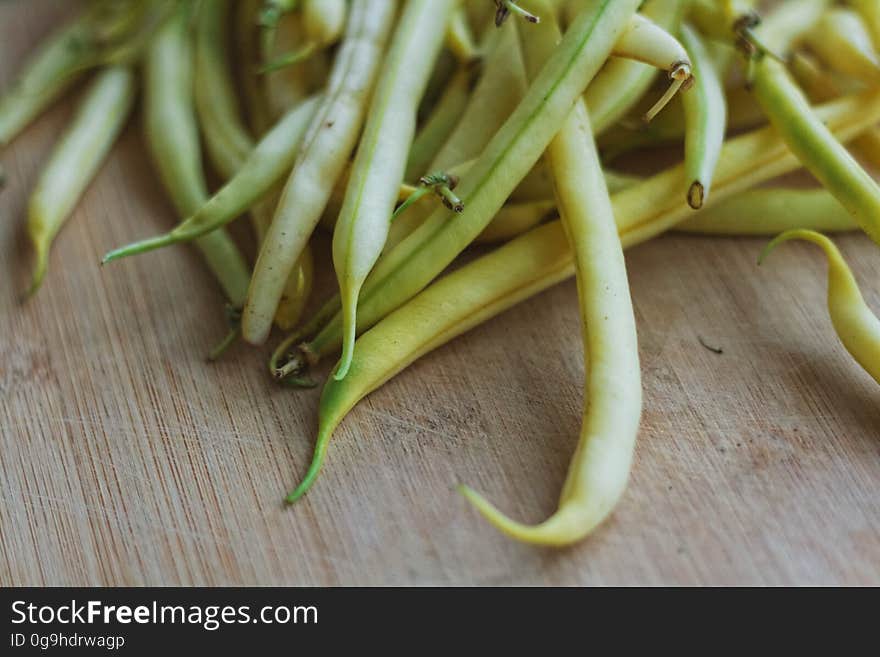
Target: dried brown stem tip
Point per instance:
(505, 7)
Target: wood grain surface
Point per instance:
(125, 459)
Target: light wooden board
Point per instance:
(126, 459)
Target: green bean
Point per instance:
(264, 167)
(509, 156)
(378, 170)
(173, 138)
(621, 83)
(705, 113)
(843, 42)
(790, 113)
(770, 212)
(440, 124)
(76, 159)
(649, 43)
(321, 160)
(600, 466)
(227, 140)
(856, 326)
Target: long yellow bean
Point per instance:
(856, 326)
(600, 466)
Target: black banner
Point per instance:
(137, 620)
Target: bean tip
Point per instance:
(696, 195)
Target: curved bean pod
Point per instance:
(646, 42)
(705, 112)
(600, 466)
(857, 327)
(322, 158)
(379, 165)
(76, 159)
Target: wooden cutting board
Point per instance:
(126, 459)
